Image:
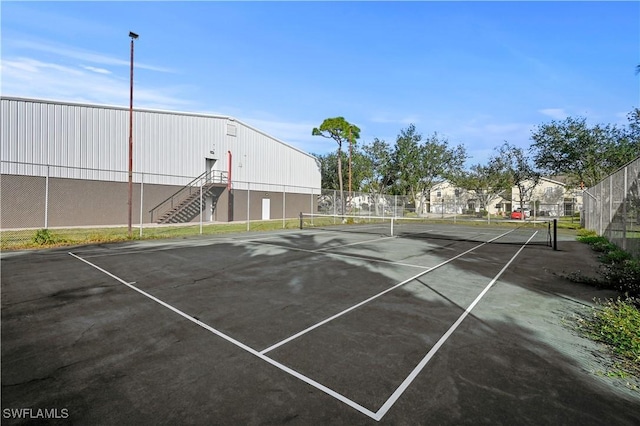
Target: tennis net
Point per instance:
(543, 232)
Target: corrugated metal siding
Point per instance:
(81, 137)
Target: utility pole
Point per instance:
(133, 37)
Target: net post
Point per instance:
(555, 234)
(392, 220)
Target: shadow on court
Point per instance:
(78, 339)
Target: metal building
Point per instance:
(80, 152)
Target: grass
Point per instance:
(41, 238)
(619, 270)
(616, 323)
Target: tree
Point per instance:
(328, 170)
(328, 164)
(512, 161)
(585, 154)
(421, 164)
(486, 182)
(405, 157)
(379, 172)
(340, 131)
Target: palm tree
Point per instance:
(341, 131)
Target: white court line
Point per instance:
(377, 416)
(405, 384)
(339, 314)
(241, 345)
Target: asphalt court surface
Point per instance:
(348, 328)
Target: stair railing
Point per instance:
(208, 177)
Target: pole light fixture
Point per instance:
(133, 37)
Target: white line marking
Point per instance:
(239, 344)
(405, 384)
(339, 314)
(397, 393)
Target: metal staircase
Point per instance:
(190, 201)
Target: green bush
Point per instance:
(615, 256)
(624, 276)
(44, 237)
(620, 271)
(616, 323)
(586, 233)
(597, 243)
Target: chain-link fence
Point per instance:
(334, 202)
(71, 201)
(612, 208)
(382, 205)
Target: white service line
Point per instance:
(405, 384)
(241, 345)
(339, 314)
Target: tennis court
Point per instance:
(446, 324)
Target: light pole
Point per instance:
(133, 37)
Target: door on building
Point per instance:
(266, 209)
(209, 168)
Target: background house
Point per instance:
(550, 197)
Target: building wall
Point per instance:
(83, 151)
(80, 137)
(294, 203)
(443, 199)
(74, 202)
(77, 202)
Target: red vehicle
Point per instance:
(517, 214)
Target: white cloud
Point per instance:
(555, 113)
(96, 69)
(22, 67)
(27, 77)
(82, 55)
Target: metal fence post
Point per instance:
(46, 200)
(624, 211)
(248, 203)
(335, 206)
(395, 207)
(601, 203)
(200, 207)
(611, 211)
(141, 201)
(284, 206)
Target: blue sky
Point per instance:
(477, 73)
